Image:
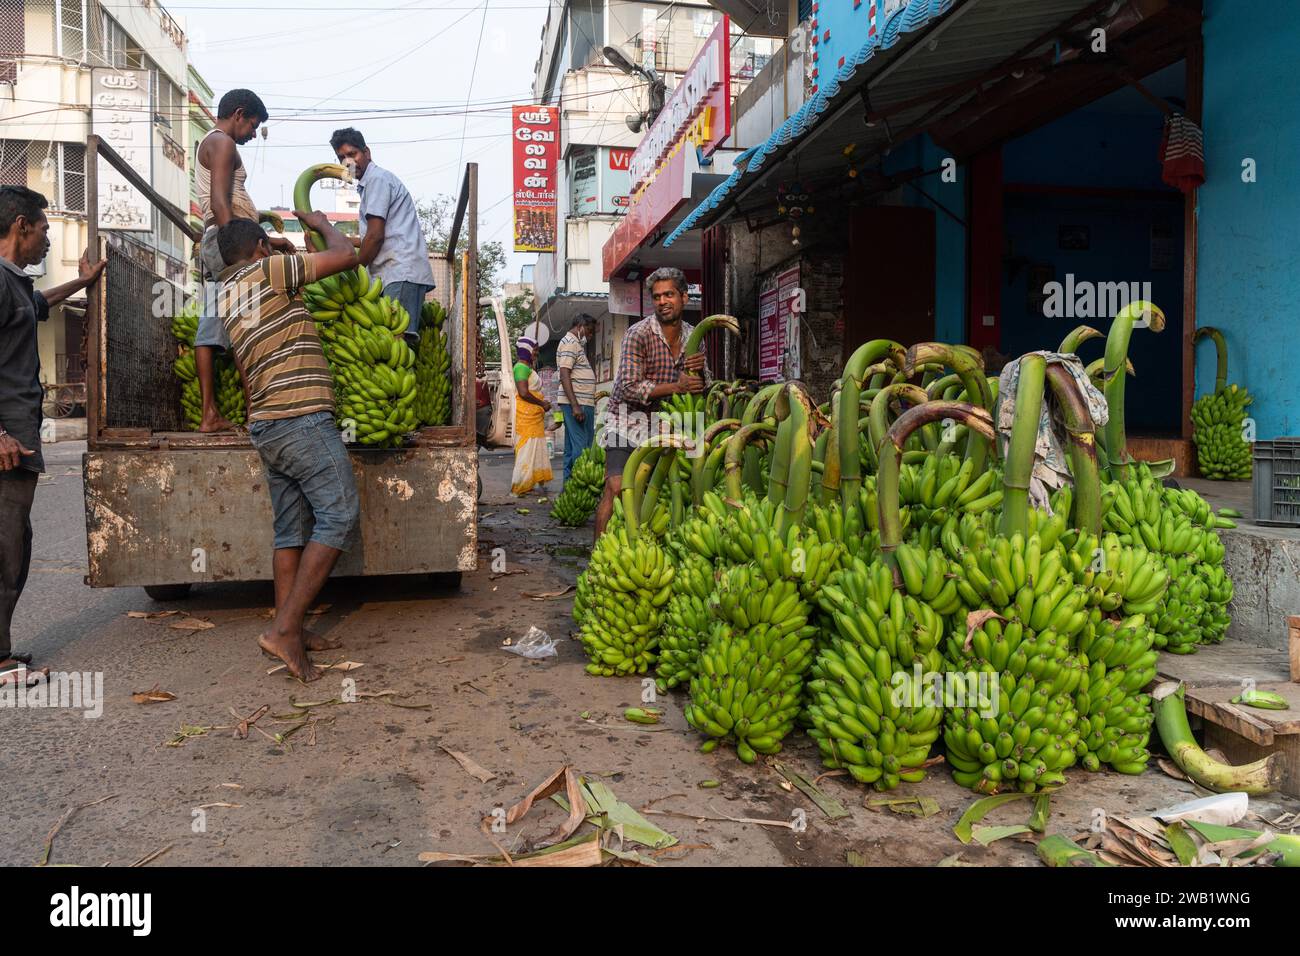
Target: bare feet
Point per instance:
(290, 650)
(214, 422)
(317, 642)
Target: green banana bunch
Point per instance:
(229, 389)
(1025, 732)
(861, 712)
(1117, 716)
(582, 492)
(749, 679)
(373, 367)
(1023, 580)
(688, 620)
(1115, 575)
(620, 601)
(802, 555)
(947, 483)
(432, 368)
(1177, 621)
(1217, 420)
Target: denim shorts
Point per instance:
(211, 331)
(411, 295)
(313, 491)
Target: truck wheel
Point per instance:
(445, 580)
(167, 592)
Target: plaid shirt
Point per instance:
(646, 361)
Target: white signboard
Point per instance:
(121, 117)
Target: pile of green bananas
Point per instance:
(1221, 449)
(1221, 452)
(1117, 716)
(374, 378)
(577, 501)
(620, 600)
(1115, 575)
(806, 556)
(1023, 731)
(687, 618)
(1178, 527)
(867, 709)
(942, 484)
(432, 367)
(750, 676)
(229, 388)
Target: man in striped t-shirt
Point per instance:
(290, 397)
(577, 390)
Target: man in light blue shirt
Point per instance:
(392, 244)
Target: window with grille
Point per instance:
(113, 42)
(11, 40)
(72, 178)
(13, 162)
(70, 28)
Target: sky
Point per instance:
(327, 64)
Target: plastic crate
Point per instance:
(1277, 482)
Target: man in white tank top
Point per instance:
(219, 181)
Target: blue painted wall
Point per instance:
(950, 235)
(1248, 272)
(1114, 150)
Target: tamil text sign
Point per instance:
(536, 137)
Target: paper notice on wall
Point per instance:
(789, 305)
(771, 337)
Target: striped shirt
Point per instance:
(572, 354)
(646, 361)
(274, 338)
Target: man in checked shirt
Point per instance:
(650, 368)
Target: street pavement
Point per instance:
(371, 782)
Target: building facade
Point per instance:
(69, 68)
(596, 100)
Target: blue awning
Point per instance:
(926, 46)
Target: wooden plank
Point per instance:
(1225, 665)
(1215, 704)
(1230, 717)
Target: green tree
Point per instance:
(435, 217)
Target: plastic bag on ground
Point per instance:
(534, 645)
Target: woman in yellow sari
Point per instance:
(532, 464)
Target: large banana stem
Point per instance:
(1220, 354)
(855, 371)
(302, 193)
(1019, 465)
(878, 420)
(936, 389)
(798, 479)
(640, 464)
(757, 410)
(699, 466)
(1081, 432)
(830, 457)
(737, 445)
(1076, 338)
(974, 417)
(779, 466)
(273, 219)
(1114, 436)
(969, 366)
(663, 466)
(1262, 776)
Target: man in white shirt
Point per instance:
(391, 245)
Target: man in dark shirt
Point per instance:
(24, 241)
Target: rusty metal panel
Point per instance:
(175, 516)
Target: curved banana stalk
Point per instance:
(640, 464)
(1081, 431)
(1220, 354)
(1121, 330)
(274, 219)
(969, 366)
(936, 390)
(878, 421)
(829, 442)
(699, 466)
(975, 418)
(1076, 338)
(1262, 776)
(1018, 467)
(855, 371)
(798, 477)
(736, 447)
(1096, 367)
(757, 410)
(302, 193)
